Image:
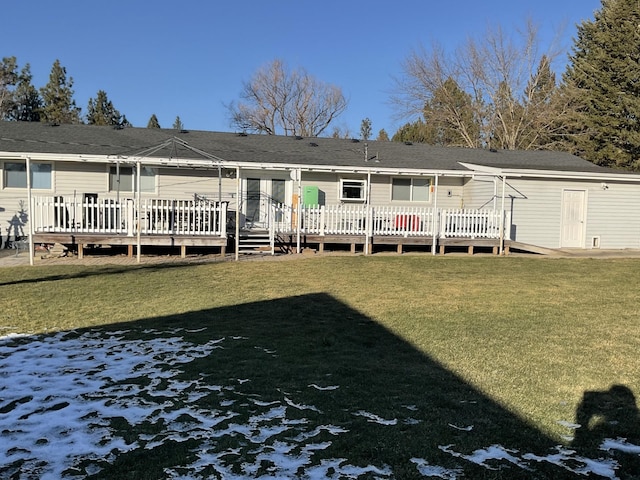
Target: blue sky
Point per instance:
(190, 57)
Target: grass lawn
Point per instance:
(401, 366)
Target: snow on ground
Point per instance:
(59, 395)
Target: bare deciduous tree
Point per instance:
(279, 101)
(492, 92)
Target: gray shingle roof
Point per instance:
(27, 137)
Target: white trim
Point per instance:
(560, 174)
(363, 190)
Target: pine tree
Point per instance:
(153, 122)
(603, 88)
(177, 124)
(383, 136)
(100, 111)
(27, 103)
(57, 96)
(8, 79)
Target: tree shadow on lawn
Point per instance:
(343, 379)
(79, 271)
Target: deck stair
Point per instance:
(255, 242)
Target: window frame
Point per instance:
(111, 172)
(363, 189)
(412, 188)
(6, 184)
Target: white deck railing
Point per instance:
(112, 216)
(205, 217)
(367, 220)
(469, 223)
(396, 221)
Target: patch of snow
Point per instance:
(436, 471)
(620, 444)
(463, 429)
(567, 459)
(375, 418)
(317, 387)
(482, 456)
(570, 425)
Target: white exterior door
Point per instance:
(573, 218)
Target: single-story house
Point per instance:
(81, 185)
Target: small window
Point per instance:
(410, 189)
(15, 175)
(125, 181)
(352, 190)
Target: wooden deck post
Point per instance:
(80, 251)
(470, 249)
(183, 251)
(400, 248)
(130, 250)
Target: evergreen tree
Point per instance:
(27, 103)
(57, 96)
(450, 117)
(603, 88)
(153, 122)
(100, 111)
(177, 124)
(8, 79)
(383, 136)
(365, 129)
(412, 132)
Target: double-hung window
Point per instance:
(15, 175)
(408, 189)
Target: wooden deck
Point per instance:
(80, 241)
(377, 243)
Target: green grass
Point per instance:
(509, 345)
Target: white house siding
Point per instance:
(613, 215)
(78, 178)
(536, 212)
(183, 183)
(536, 209)
(481, 192)
(327, 183)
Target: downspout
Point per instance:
(219, 186)
(30, 212)
(435, 225)
(118, 181)
(138, 200)
(504, 183)
(237, 247)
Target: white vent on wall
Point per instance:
(595, 242)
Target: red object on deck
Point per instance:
(407, 222)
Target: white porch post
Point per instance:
(367, 227)
(299, 211)
(435, 216)
(30, 211)
(138, 199)
(504, 183)
(237, 213)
